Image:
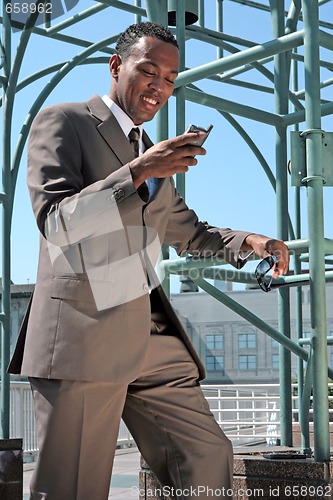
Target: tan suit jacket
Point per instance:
(90, 313)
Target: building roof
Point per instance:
(24, 290)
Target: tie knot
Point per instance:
(134, 134)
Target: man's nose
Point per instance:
(157, 84)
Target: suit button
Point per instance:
(147, 211)
(145, 288)
(118, 194)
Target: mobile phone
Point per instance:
(195, 128)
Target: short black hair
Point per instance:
(136, 31)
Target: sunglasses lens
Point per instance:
(262, 269)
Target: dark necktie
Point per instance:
(134, 136)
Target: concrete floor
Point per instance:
(125, 477)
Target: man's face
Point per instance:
(144, 81)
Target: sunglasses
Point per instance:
(262, 269)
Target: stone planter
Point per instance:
(11, 469)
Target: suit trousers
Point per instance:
(166, 413)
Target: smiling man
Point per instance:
(100, 340)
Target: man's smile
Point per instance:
(150, 100)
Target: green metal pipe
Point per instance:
(162, 126)
(7, 202)
(210, 36)
(323, 84)
(241, 277)
(281, 80)
(80, 16)
(254, 148)
(59, 37)
(7, 109)
(260, 6)
(138, 17)
(322, 63)
(299, 116)
(201, 19)
(303, 413)
(126, 7)
(329, 340)
(180, 91)
(304, 407)
(217, 39)
(162, 133)
(157, 11)
(286, 42)
(233, 107)
(219, 25)
(316, 230)
(326, 40)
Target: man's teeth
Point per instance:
(151, 101)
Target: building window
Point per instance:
(275, 344)
(275, 362)
(331, 359)
(247, 362)
(247, 341)
(214, 342)
(214, 363)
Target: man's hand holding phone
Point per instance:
(195, 128)
(169, 157)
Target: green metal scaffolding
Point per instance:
(310, 152)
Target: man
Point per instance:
(102, 341)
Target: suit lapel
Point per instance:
(112, 133)
(110, 130)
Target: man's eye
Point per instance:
(148, 73)
(170, 81)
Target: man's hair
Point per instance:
(136, 31)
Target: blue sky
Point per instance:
(228, 187)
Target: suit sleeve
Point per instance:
(66, 208)
(189, 235)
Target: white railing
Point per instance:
(248, 414)
(251, 413)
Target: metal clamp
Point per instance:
(297, 165)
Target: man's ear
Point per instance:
(114, 63)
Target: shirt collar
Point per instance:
(122, 118)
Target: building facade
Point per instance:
(234, 350)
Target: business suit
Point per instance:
(79, 178)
